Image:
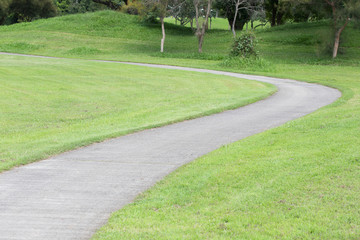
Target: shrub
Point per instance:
(133, 8)
(244, 46)
(28, 10)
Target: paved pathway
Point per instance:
(71, 195)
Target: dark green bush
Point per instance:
(133, 8)
(28, 10)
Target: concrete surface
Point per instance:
(71, 195)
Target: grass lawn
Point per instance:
(49, 105)
(298, 181)
(115, 36)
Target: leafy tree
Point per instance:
(27, 10)
(304, 10)
(183, 11)
(228, 8)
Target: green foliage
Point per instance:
(4, 5)
(28, 10)
(78, 6)
(133, 8)
(244, 46)
(154, 9)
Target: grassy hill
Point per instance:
(116, 36)
(298, 181)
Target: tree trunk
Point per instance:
(201, 41)
(235, 17)
(274, 12)
(337, 39)
(200, 31)
(163, 34)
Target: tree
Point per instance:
(277, 11)
(183, 11)
(28, 10)
(250, 6)
(203, 8)
(227, 8)
(4, 5)
(343, 11)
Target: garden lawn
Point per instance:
(49, 106)
(298, 181)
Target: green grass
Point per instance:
(116, 36)
(298, 181)
(49, 106)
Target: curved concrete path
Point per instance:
(71, 195)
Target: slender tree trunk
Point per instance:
(200, 32)
(337, 39)
(201, 41)
(235, 17)
(163, 34)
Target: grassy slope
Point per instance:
(115, 36)
(49, 106)
(300, 180)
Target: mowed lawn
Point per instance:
(298, 181)
(49, 106)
